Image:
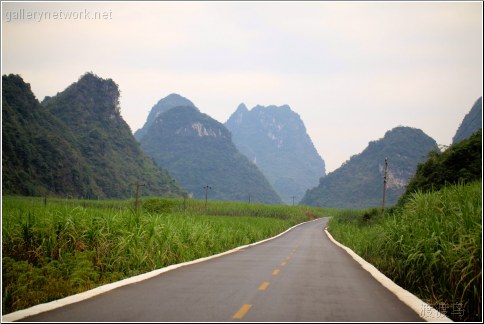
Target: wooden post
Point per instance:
(384, 186)
(206, 194)
(137, 194)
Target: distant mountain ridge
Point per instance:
(75, 144)
(198, 151)
(471, 123)
(170, 101)
(358, 183)
(275, 139)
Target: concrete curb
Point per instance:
(37, 309)
(412, 301)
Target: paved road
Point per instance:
(299, 276)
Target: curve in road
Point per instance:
(298, 276)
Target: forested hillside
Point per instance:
(164, 104)
(75, 144)
(358, 183)
(198, 151)
(461, 162)
(471, 123)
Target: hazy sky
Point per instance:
(351, 70)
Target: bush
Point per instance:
(157, 205)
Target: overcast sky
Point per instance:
(351, 70)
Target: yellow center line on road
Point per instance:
(242, 311)
(245, 308)
(264, 285)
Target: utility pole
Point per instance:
(249, 198)
(206, 194)
(384, 186)
(185, 201)
(137, 194)
(293, 200)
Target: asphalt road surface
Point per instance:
(299, 276)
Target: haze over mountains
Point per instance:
(275, 139)
(358, 183)
(198, 151)
(471, 123)
(164, 104)
(76, 144)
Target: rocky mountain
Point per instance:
(171, 101)
(275, 139)
(358, 183)
(198, 151)
(471, 123)
(74, 144)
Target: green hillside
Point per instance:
(198, 151)
(358, 183)
(75, 144)
(461, 162)
(471, 123)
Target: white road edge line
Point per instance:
(412, 301)
(37, 309)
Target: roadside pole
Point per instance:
(384, 186)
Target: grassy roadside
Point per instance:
(59, 247)
(431, 247)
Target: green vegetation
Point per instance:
(431, 242)
(75, 144)
(431, 247)
(198, 151)
(461, 162)
(358, 183)
(471, 123)
(58, 247)
(171, 101)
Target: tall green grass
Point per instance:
(432, 246)
(55, 248)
